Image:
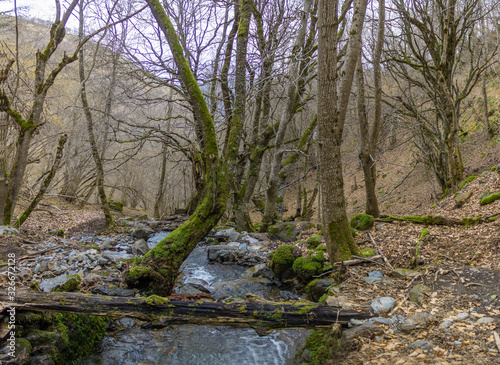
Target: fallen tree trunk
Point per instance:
(435, 220)
(262, 316)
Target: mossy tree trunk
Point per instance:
(332, 109)
(160, 266)
(28, 126)
(90, 129)
(289, 111)
(46, 182)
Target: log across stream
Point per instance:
(163, 311)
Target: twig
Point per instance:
(398, 306)
(380, 251)
(359, 260)
(30, 256)
(497, 339)
(476, 284)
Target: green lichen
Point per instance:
(306, 268)
(489, 199)
(362, 222)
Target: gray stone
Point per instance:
(368, 330)
(285, 232)
(256, 271)
(375, 274)
(140, 247)
(370, 280)
(126, 322)
(41, 267)
(424, 345)
(141, 233)
(48, 284)
(462, 315)
(417, 293)
(6, 230)
(405, 273)
(230, 233)
(461, 198)
(416, 322)
(486, 320)
(113, 290)
(445, 324)
(383, 304)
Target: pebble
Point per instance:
(383, 304)
(485, 320)
(375, 274)
(462, 315)
(445, 324)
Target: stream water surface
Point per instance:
(200, 344)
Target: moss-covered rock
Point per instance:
(362, 222)
(306, 268)
(285, 232)
(282, 261)
(141, 277)
(367, 252)
(314, 241)
(72, 284)
(318, 288)
(321, 345)
(489, 199)
(116, 206)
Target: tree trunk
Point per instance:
(161, 184)
(160, 266)
(46, 182)
(332, 109)
(288, 112)
(90, 130)
(263, 316)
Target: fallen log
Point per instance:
(161, 311)
(435, 220)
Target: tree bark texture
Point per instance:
(332, 109)
(164, 311)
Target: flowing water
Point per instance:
(200, 344)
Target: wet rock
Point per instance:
(91, 279)
(230, 233)
(318, 287)
(261, 270)
(424, 345)
(49, 284)
(140, 247)
(240, 287)
(416, 322)
(383, 304)
(368, 330)
(418, 292)
(222, 253)
(126, 322)
(113, 290)
(141, 233)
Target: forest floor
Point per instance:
(460, 265)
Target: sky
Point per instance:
(41, 9)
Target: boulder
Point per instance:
(461, 198)
(282, 261)
(383, 304)
(318, 287)
(285, 232)
(140, 247)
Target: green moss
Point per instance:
(470, 221)
(73, 284)
(156, 300)
(306, 268)
(321, 346)
(318, 256)
(468, 180)
(314, 241)
(367, 252)
(282, 260)
(60, 232)
(114, 205)
(362, 222)
(489, 199)
(95, 247)
(67, 337)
